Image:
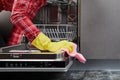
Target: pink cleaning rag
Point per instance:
(75, 54)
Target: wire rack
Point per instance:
(58, 32)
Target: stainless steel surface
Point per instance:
(79, 25)
(25, 51)
(18, 69)
(100, 29)
(57, 1)
(23, 58)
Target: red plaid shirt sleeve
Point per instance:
(22, 13)
(16, 36)
(1, 6)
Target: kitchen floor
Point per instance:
(92, 70)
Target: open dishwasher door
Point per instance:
(24, 58)
(59, 21)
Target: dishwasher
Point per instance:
(60, 25)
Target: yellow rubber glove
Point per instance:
(42, 42)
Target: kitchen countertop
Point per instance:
(91, 70)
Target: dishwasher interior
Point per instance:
(58, 20)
